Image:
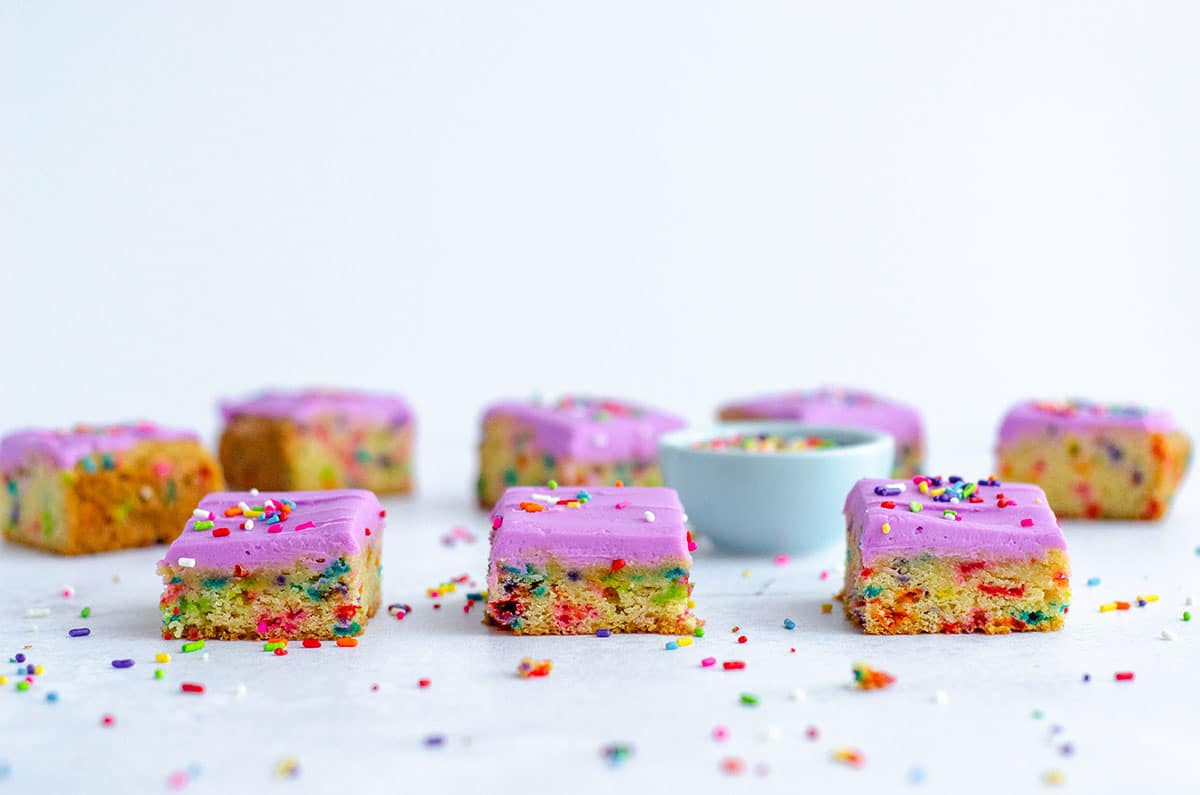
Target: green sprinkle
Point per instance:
(193, 645)
(1187, 616)
(272, 646)
(1038, 714)
(203, 524)
(915, 506)
(749, 699)
(552, 484)
(699, 632)
(159, 673)
(22, 686)
(85, 612)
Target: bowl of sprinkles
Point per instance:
(771, 487)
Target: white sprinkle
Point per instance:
(649, 516)
(600, 440)
(254, 492)
(200, 513)
(245, 508)
(248, 524)
(543, 498)
(1167, 635)
(187, 563)
(268, 503)
(900, 486)
(954, 500)
(37, 612)
(797, 694)
(240, 692)
(685, 518)
(941, 697)
(145, 492)
(204, 657)
(772, 734)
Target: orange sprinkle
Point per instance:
(532, 507)
(278, 640)
(1122, 605)
(619, 483)
(347, 641)
(234, 511)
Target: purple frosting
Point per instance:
(1037, 417)
(309, 404)
(985, 529)
(591, 429)
(836, 406)
(340, 519)
(597, 532)
(67, 448)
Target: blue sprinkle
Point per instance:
(603, 633)
(789, 624)
(52, 696)
(583, 495)
(916, 775)
(1093, 582)
(672, 645)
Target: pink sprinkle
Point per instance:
(1026, 523)
(825, 575)
(782, 560)
(162, 469)
(708, 662)
(497, 521)
(720, 734)
(177, 780)
(275, 528)
(306, 525)
(621, 505)
(692, 546)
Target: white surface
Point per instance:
(506, 734)
(957, 204)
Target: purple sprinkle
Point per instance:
(435, 741)
(20, 657)
(122, 663)
(1087, 677)
(30, 669)
(79, 632)
(603, 633)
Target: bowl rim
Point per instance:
(864, 439)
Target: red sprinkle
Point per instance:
(733, 665)
(280, 652)
(312, 643)
(618, 564)
(368, 531)
(1124, 676)
(424, 682)
(191, 687)
(221, 532)
(108, 720)
(382, 514)
(742, 639)
(887, 504)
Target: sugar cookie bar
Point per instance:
(934, 555)
(569, 561)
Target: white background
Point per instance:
(957, 204)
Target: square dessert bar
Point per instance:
(934, 555)
(318, 439)
(1095, 461)
(570, 561)
(577, 441)
(837, 406)
(252, 565)
(99, 488)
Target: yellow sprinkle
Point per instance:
(1038, 500)
(1055, 777)
(924, 487)
(746, 572)
(937, 492)
(691, 604)
(1149, 598)
(1108, 607)
(38, 669)
(827, 607)
(3, 680)
(684, 641)
(887, 528)
(162, 657)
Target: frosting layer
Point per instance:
(611, 525)
(591, 429)
(309, 404)
(1047, 417)
(323, 526)
(835, 406)
(1024, 526)
(67, 448)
